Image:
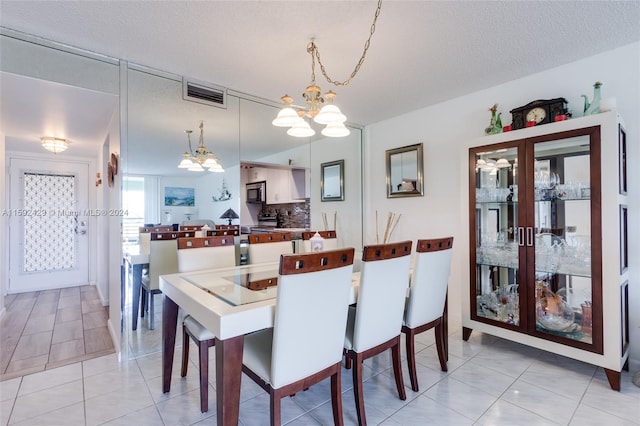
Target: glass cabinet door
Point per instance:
(561, 237)
(495, 196)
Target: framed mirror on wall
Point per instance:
(332, 181)
(404, 171)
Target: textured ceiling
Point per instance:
(422, 52)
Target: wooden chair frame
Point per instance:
(298, 264)
(353, 359)
(440, 323)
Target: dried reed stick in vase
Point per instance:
(386, 228)
(324, 220)
(393, 228)
(335, 219)
(377, 240)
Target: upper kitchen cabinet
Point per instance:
(548, 240)
(283, 185)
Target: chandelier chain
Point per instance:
(313, 49)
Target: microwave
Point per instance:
(256, 192)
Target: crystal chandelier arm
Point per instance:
(315, 51)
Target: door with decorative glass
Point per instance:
(48, 224)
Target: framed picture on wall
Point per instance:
(332, 181)
(184, 197)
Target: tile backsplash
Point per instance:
(295, 215)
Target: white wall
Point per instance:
(210, 185)
(445, 128)
(109, 282)
(4, 227)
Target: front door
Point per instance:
(48, 224)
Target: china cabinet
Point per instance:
(548, 239)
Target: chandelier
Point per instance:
(200, 159)
(328, 114)
(54, 145)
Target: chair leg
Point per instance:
(203, 350)
(336, 398)
(152, 309)
(411, 357)
(143, 301)
(440, 345)
(397, 369)
(274, 409)
(185, 351)
(358, 390)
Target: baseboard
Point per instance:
(103, 299)
(115, 336)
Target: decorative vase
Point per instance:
(594, 106)
(495, 125)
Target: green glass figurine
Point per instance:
(594, 106)
(495, 125)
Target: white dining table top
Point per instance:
(218, 299)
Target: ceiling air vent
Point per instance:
(204, 93)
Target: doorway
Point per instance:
(48, 224)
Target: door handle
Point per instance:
(529, 236)
(521, 236)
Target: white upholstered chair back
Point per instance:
(384, 279)
(205, 253)
(311, 315)
(428, 289)
(144, 235)
(268, 247)
(330, 240)
(163, 259)
(163, 256)
(144, 238)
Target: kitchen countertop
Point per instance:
(296, 233)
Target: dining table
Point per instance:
(134, 261)
(230, 302)
(223, 301)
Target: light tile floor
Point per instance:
(47, 329)
(490, 382)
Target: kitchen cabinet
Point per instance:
(284, 185)
(548, 239)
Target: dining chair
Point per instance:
(219, 232)
(330, 240)
(268, 247)
(228, 227)
(144, 235)
(374, 323)
(425, 304)
(163, 259)
(194, 254)
(190, 227)
(304, 346)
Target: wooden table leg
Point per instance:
(137, 288)
(228, 379)
(169, 324)
(445, 326)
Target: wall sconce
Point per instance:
(98, 179)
